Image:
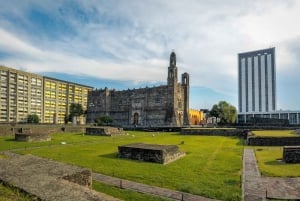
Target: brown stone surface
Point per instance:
(109, 131)
(257, 187)
(150, 152)
(49, 180)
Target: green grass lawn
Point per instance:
(13, 194)
(270, 164)
(277, 133)
(212, 166)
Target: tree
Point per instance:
(75, 110)
(103, 120)
(223, 110)
(33, 119)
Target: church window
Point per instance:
(136, 118)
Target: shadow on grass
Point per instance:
(111, 155)
(12, 139)
(275, 163)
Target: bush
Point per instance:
(104, 120)
(33, 119)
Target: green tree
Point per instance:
(103, 120)
(76, 110)
(33, 119)
(223, 110)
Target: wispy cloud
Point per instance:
(131, 40)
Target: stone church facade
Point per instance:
(166, 105)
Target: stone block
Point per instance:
(108, 131)
(291, 154)
(150, 152)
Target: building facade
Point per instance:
(293, 117)
(257, 89)
(196, 117)
(257, 81)
(166, 105)
(24, 93)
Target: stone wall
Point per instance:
(108, 131)
(32, 137)
(150, 152)
(26, 135)
(291, 154)
(166, 105)
(272, 141)
(215, 132)
(9, 129)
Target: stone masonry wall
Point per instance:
(272, 141)
(8, 129)
(104, 131)
(215, 132)
(291, 154)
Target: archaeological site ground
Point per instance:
(212, 167)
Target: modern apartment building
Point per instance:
(24, 93)
(257, 81)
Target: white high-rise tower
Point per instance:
(257, 81)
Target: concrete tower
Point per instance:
(257, 81)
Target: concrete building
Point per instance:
(166, 105)
(24, 93)
(58, 96)
(293, 117)
(196, 117)
(257, 88)
(257, 81)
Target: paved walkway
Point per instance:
(143, 188)
(257, 187)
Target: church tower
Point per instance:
(172, 71)
(178, 96)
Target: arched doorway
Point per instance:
(136, 118)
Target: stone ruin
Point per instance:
(49, 180)
(26, 135)
(291, 154)
(106, 131)
(150, 152)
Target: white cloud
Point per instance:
(132, 40)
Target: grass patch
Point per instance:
(270, 164)
(9, 143)
(124, 194)
(275, 133)
(211, 168)
(8, 193)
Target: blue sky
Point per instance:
(127, 44)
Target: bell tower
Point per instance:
(172, 70)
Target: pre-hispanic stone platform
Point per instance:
(107, 131)
(26, 135)
(150, 152)
(291, 154)
(49, 180)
